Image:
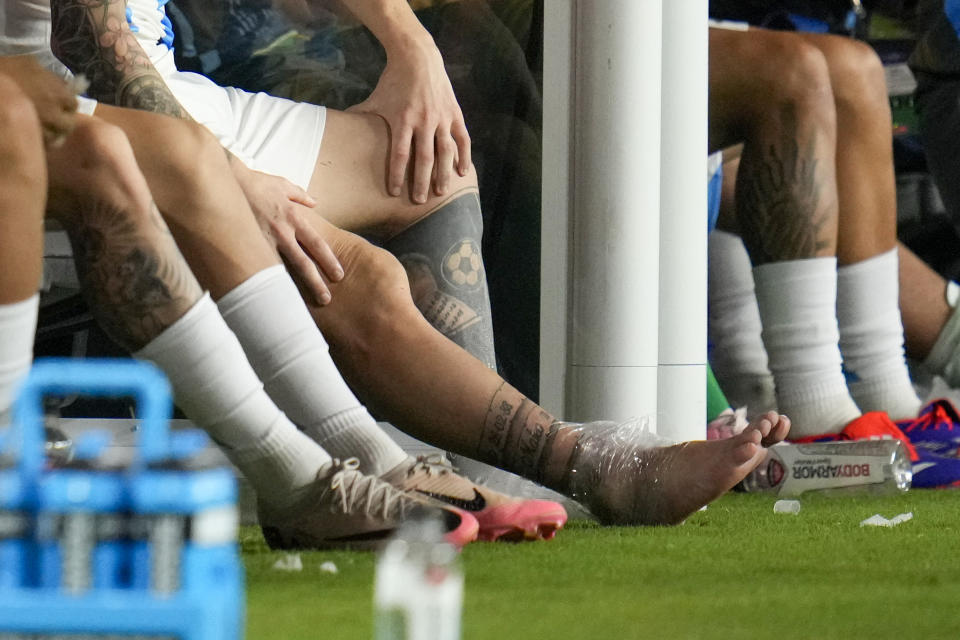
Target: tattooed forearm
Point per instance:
(137, 283)
(517, 434)
(92, 37)
(780, 208)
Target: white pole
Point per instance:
(612, 371)
(681, 383)
(557, 192)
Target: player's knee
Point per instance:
(858, 76)
(190, 159)
(372, 299)
(101, 147)
(381, 276)
(794, 74)
(107, 175)
(109, 166)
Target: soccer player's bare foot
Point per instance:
(616, 473)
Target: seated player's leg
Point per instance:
(771, 91)
(438, 242)
(871, 331)
(190, 179)
(189, 175)
(452, 400)
(144, 293)
(131, 270)
(22, 197)
(926, 312)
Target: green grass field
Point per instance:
(736, 570)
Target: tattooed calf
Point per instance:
(136, 285)
(779, 206)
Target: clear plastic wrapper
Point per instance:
(614, 469)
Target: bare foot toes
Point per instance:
(779, 432)
(623, 477)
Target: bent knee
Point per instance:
(787, 70)
(96, 168)
(371, 301)
(100, 146)
(187, 154)
(105, 166)
(857, 73)
(373, 273)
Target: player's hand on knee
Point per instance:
(281, 208)
(55, 103)
(428, 137)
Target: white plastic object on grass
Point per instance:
(877, 520)
(329, 567)
(289, 562)
(787, 506)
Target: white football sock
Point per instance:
(797, 300)
(871, 337)
(290, 355)
(738, 357)
(18, 324)
(216, 388)
(944, 357)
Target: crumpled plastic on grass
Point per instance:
(289, 562)
(329, 567)
(877, 520)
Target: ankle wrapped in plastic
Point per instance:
(606, 464)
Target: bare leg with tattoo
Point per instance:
(131, 270)
(475, 413)
(853, 85)
(384, 340)
(142, 291)
(147, 298)
(786, 217)
(261, 305)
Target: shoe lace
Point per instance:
(938, 416)
(356, 491)
(432, 463)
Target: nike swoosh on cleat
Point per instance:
(478, 503)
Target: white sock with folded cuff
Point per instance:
(738, 357)
(797, 300)
(871, 336)
(216, 388)
(292, 358)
